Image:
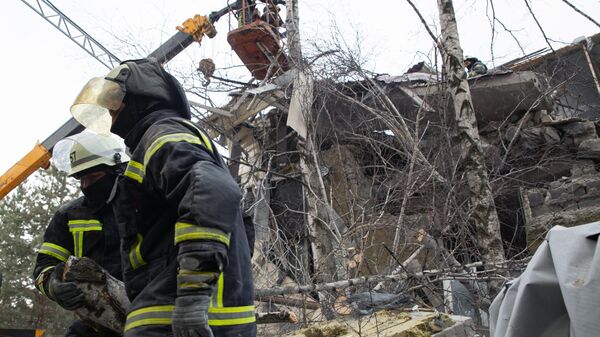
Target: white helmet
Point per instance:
(86, 150)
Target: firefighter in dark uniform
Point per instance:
(85, 226)
(186, 255)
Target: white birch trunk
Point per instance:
(483, 216)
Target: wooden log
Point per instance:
(291, 302)
(276, 317)
(106, 301)
(458, 272)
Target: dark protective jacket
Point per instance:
(79, 230)
(177, 188)
(477, 68)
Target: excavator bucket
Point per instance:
(259, 48)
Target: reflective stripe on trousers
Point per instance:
(162, 315)
(218, 315)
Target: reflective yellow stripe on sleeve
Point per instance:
(154, 315)
(55, 251)
(187, 231)
(39, 281)
(205, 138)
(171, 138)
(135, 171)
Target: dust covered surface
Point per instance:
(383, 324)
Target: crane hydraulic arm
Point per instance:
(193, 29)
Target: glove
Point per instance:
(190, 316)
(199, 266)
(66, 294)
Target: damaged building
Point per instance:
(387, 164)
(436, 202)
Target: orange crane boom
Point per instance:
(38, 157)
(193, 29)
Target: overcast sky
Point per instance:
(43, 70)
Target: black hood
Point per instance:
(148, 88)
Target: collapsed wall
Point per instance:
(538, 131)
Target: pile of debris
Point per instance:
(392, 324)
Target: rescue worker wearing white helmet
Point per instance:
(474, 66)
(84, 227)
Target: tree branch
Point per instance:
(539, 25)
(582, 13)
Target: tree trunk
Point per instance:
(292, 25)
(483, 215)
(324, 236)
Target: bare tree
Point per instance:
(484, 216)
(365, 183)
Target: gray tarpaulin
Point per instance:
(558, 294)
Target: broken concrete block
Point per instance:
(579, 128)
(579, 190)
(583, 168)
(589, 149)
(567, 202)
(589, 202)
(576, 132)
(564, 203)
(463, 327)
(541, 116)
(558, 183)
(540, 210)
(536, 198)
(546, 119)
(593, 185)
(532, 138)
(551, 135)
(558, 191)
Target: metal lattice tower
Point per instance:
(62, 22)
